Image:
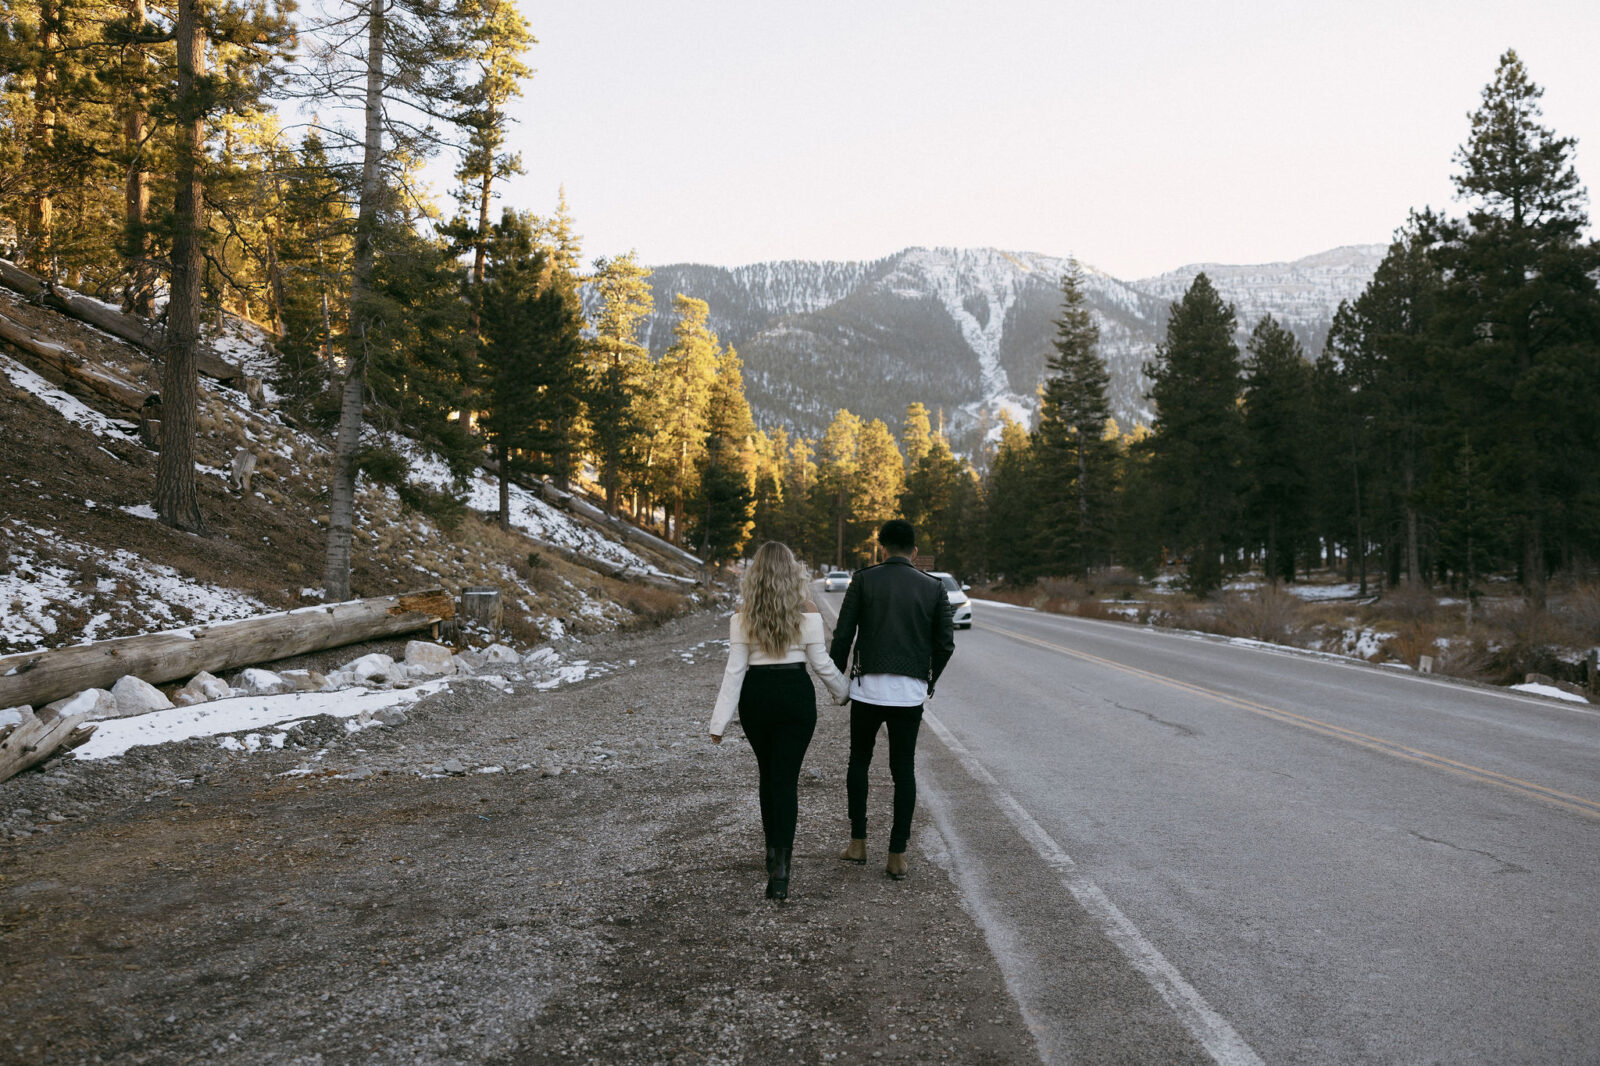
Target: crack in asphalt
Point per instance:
(1182, 729)
(1505, 867)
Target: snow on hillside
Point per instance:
(796, 323)
(62, 584)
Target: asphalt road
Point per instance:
(1184, 849)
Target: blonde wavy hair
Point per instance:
(774, 592)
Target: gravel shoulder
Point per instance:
(589, 889)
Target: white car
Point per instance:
(836, 581)
(957, 592)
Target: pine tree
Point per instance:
(933, 497)
(838, 473)
(617, 373)
(514, 268)
(1074, 459)
(680, 390)
(1520, 313)
(403, 57)
(724, 493)
(881, 480)
(1277, 411)
(1399, 393)
(916, 435)
(496, 38)
(1009, 507)
(249, 37)
(1196, 443)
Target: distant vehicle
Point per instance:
(958, 598)
(836, 581)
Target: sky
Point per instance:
(1139, 136)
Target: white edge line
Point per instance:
(1002, 944)
(1210, 1029)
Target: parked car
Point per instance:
(959, 602)
(836, 581)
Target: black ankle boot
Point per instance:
(778, 877)
(772, 860)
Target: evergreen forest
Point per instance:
(185, 157)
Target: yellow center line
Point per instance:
(1577, 804)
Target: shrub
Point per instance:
(1268, 614)
(1408, 603)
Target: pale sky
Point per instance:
(1139, 136)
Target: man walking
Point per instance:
(899, 620)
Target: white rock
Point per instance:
(541, 658)
(370, 666)
(341, 679)
(136, 697)
(94, 702)
(464, 666)
(304, 680)
(202, 688)
(500, 655)
(428, 660)
(257, 682)
(471, 658)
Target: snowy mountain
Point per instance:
(965, 330)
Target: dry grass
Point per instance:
(1267, 613)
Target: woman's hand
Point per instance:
(716, 739)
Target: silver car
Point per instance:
(836, 581)
(959, 602)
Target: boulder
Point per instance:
(428, 660)
(500, 655)
(92, 702)
(258, 682)
(137, 697)
(202, 688)
(304, 680)
(375, 668)
(471, 658)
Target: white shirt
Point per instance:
(889, 690)
(810, 647)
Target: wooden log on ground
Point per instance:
(68, 364)
(131, 328)
(36, 738)
(37, 678)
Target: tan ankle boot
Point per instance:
(856, 852)
(896, 867)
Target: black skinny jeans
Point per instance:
(903, 722)
(778, 712)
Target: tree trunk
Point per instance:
(38, 677)
(42, 253)
(503, 454)
(343, 490)
(138, 294)
(177, 497)
(1083, 506)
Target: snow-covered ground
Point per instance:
(34, 592)
(68, 406)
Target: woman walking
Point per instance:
(770, 640)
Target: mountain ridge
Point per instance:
(966, 330)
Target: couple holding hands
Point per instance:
(899, 622)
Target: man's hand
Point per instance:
(715, 739)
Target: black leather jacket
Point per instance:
(900, 621)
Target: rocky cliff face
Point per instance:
(966, 330)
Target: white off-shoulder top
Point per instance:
(811, 647)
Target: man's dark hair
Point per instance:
(897, 537)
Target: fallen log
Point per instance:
(36, 738)
(69, 365)
(37, 678)
(131, 328)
